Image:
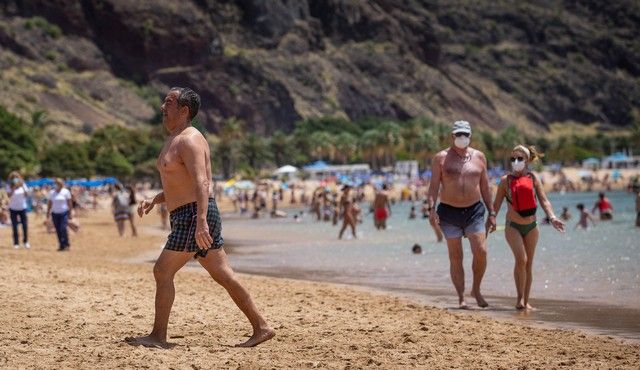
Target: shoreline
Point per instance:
(592, 318)
(621, 322)
(73, 309)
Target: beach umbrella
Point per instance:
(288, 169)
(317, 165)
(245, 185)
(40, 182)
(230, 183)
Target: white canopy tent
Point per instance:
(288, 169)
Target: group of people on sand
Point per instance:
(60, 210)
(61, 205)
(459, 181)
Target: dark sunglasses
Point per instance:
(520, 159)
(458, 134)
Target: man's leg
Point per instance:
(456, 269)
(164, 270)
(479, 265)
(216, 263)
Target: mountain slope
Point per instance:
(272, 63)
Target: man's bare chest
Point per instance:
(169, 158)
(468, 169)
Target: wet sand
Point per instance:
(73, 310)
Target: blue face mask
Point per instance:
(15, 181)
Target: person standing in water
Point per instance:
(459, 174)
(347, 212)
(638, 208)
(585, 217)
(520, 189)
(196, 228)
(381, 208)
(603, 205)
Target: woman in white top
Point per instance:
(60, 208)
(18, 193)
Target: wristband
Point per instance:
(493, 213)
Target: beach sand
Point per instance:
(73, 310)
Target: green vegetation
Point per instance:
(67, 160)
(127, 153)
(17, 145)
(49, 29)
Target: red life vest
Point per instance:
(523, 195)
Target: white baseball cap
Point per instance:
(461, 126)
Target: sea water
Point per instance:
(600, 265)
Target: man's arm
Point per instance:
(485, 190)
(434, 185)
(194, 156)
(146, 206)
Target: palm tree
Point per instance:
(426, 145)
(371, 144)
(411, 132)
(391, 139)
(321, 145)
(254, 149)
(227, 150)
(506, 140)
(281, 148)
(346, 146)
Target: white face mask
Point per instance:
(462, 142)
(517, 166)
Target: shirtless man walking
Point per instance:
(459, 173)
(185, 172)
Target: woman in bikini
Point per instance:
(347, 211)
(521, 188)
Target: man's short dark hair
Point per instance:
(188, 98)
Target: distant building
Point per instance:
(406, 169)
(620, 160)
(320, 170)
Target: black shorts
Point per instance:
(457, 222)
(183, 228)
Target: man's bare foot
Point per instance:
(519, 306)
(530, 307)
(258, 337)
(147, 341)
(481, 302)
(463, 305)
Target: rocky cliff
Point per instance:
(273, 62)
